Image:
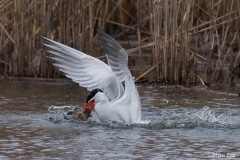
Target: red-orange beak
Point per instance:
(89, 106)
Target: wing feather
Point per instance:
(116, 55)
(83, 69)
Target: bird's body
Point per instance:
(113, 101)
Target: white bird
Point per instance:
(114, 96)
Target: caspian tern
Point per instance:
(114, 96)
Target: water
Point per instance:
(184, 124)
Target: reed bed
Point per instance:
(171, 41)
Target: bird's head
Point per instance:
(90, 102)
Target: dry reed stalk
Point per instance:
(166, 42)
(170, 28)
(9, 35)
(132, 50)
(1, 61)
(202, 82)
(187, 28)
(147, 72)
(229, 49)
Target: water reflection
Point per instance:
(187, 123)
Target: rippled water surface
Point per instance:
(184, 123)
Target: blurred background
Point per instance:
(168, 41)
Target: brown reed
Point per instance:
(172, 41)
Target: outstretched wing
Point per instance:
(83, 69)
(118, 61)
(116, 55)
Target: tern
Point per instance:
(113, 94)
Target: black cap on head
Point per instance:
(92, 94)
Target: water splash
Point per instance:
(56, 109)
(205, 117)
(60, 112)
(173, 118)
(218, 117)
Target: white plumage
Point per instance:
(117, 102)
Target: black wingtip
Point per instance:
(43, 38)
(102, 33)
(108, 41)
(46, 39)
(99, 31)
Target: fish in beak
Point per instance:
(88, 107)
(85, 112)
